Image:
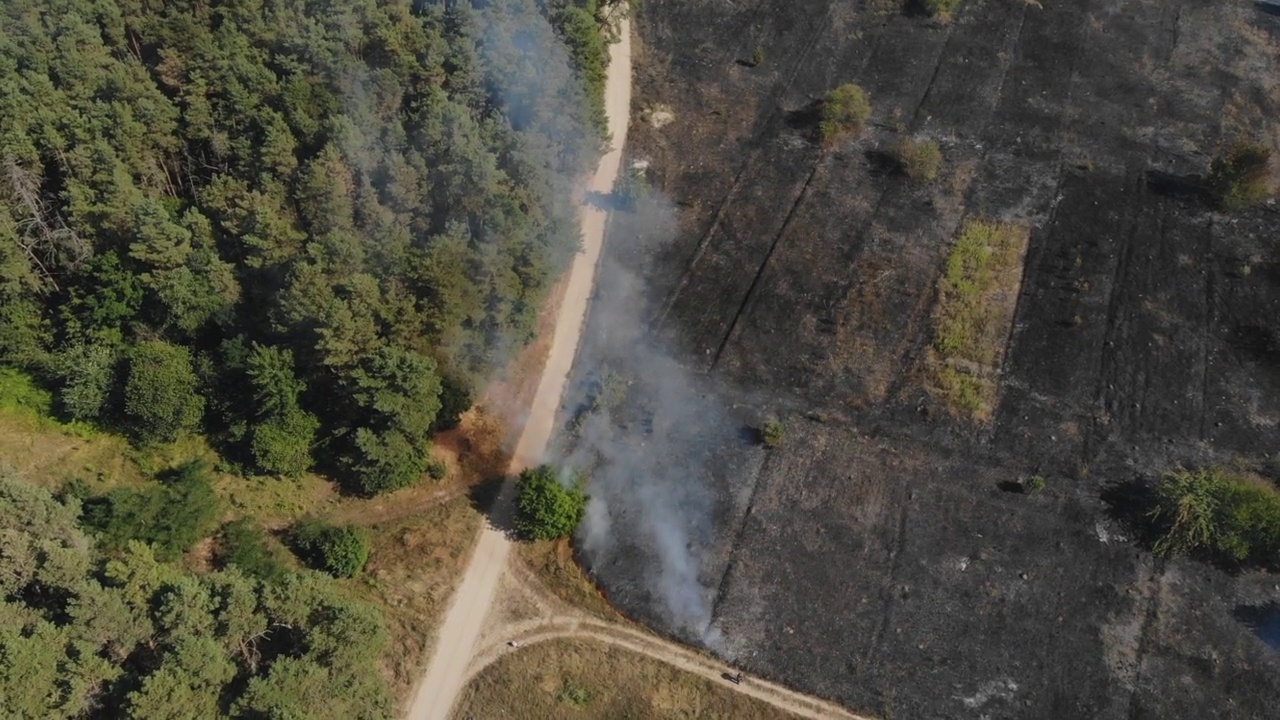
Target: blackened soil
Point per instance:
(876, 557)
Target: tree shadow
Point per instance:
(1263, 621)
(1011, 486)
(883, 163)
(609, 202)
(915, 9)
(1130, 503)
(750, 435)
(806, 120)
(1191, 188)
(487, 498)
(1268, 7)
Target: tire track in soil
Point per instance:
(1209, 324)
(747, 164)
(1124, 260)
(895, 562)
(1144, 637)
(773, 246)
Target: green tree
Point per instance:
(341, 551)
(397, 396)
(160, 399)
(85, 374)
(283, 434)
(548, 509)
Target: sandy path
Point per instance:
(456, 645)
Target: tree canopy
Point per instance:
(548, 509)
(129, 636)
(282, 222)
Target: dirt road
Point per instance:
(580, 626)
(462, 624)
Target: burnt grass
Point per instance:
(884, 556)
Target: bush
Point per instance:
(1241, 178)
(844, 111)
(339, 551)
(941, 9)
(1035, 484)
(171, 515)
(574, 694)
(772, 433)
(1233, 519)
(243, 543)
(160, 401)
(919, 159)
(282, 445)
(547, 509)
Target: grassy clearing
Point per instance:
(593, 681)
(976, 300)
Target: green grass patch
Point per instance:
(1230, 518)
(976, 299)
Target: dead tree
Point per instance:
(44, 238)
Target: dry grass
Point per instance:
(593, 681)
(414, 563)
(555, 566)
(977, 296)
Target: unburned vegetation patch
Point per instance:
(977, 296)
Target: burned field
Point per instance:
(882, 554)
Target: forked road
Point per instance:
(462, 624)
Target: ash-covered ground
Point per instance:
(877, 556)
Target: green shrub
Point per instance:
(844, 111)
(772, 433)
(160, 400)
(1241, 178)
(1232, 518)
(1035, 484)
(574, 694)
(548, 509)
(941, 9)
(341, 551)
(244, 544)
(757, 57)
(282, 445)
(172, 515)
(18, 391)
(919, 159)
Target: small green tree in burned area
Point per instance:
(548, 509)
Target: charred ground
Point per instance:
(874, 558)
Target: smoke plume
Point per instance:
(648, 432)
